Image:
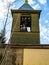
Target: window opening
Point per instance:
(25, 24)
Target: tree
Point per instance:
(2, 37)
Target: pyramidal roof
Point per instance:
(25, 7)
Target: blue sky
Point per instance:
(36, 5)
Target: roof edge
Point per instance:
(21, 11)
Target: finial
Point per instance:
(26, 1)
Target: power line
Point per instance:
(7, 46)
(4, 28)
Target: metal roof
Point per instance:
(25, 7)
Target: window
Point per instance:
(25, 24)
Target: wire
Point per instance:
(4, 28)
(7, 46)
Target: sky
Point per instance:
(42, 5)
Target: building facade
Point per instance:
(25, 47)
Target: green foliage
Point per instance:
(2, 37)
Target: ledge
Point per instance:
(40, 46)
(21, 11)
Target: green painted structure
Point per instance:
(25, 38)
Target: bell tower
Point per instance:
(26, 31)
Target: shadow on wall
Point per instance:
(0, 57)
(13, 60)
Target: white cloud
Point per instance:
(31, 1)
(42, 29)
(2, 10)
(37, 6)
(46, 21)
(42, 1)
(11, 0)
(44, 34)
(8, 1)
